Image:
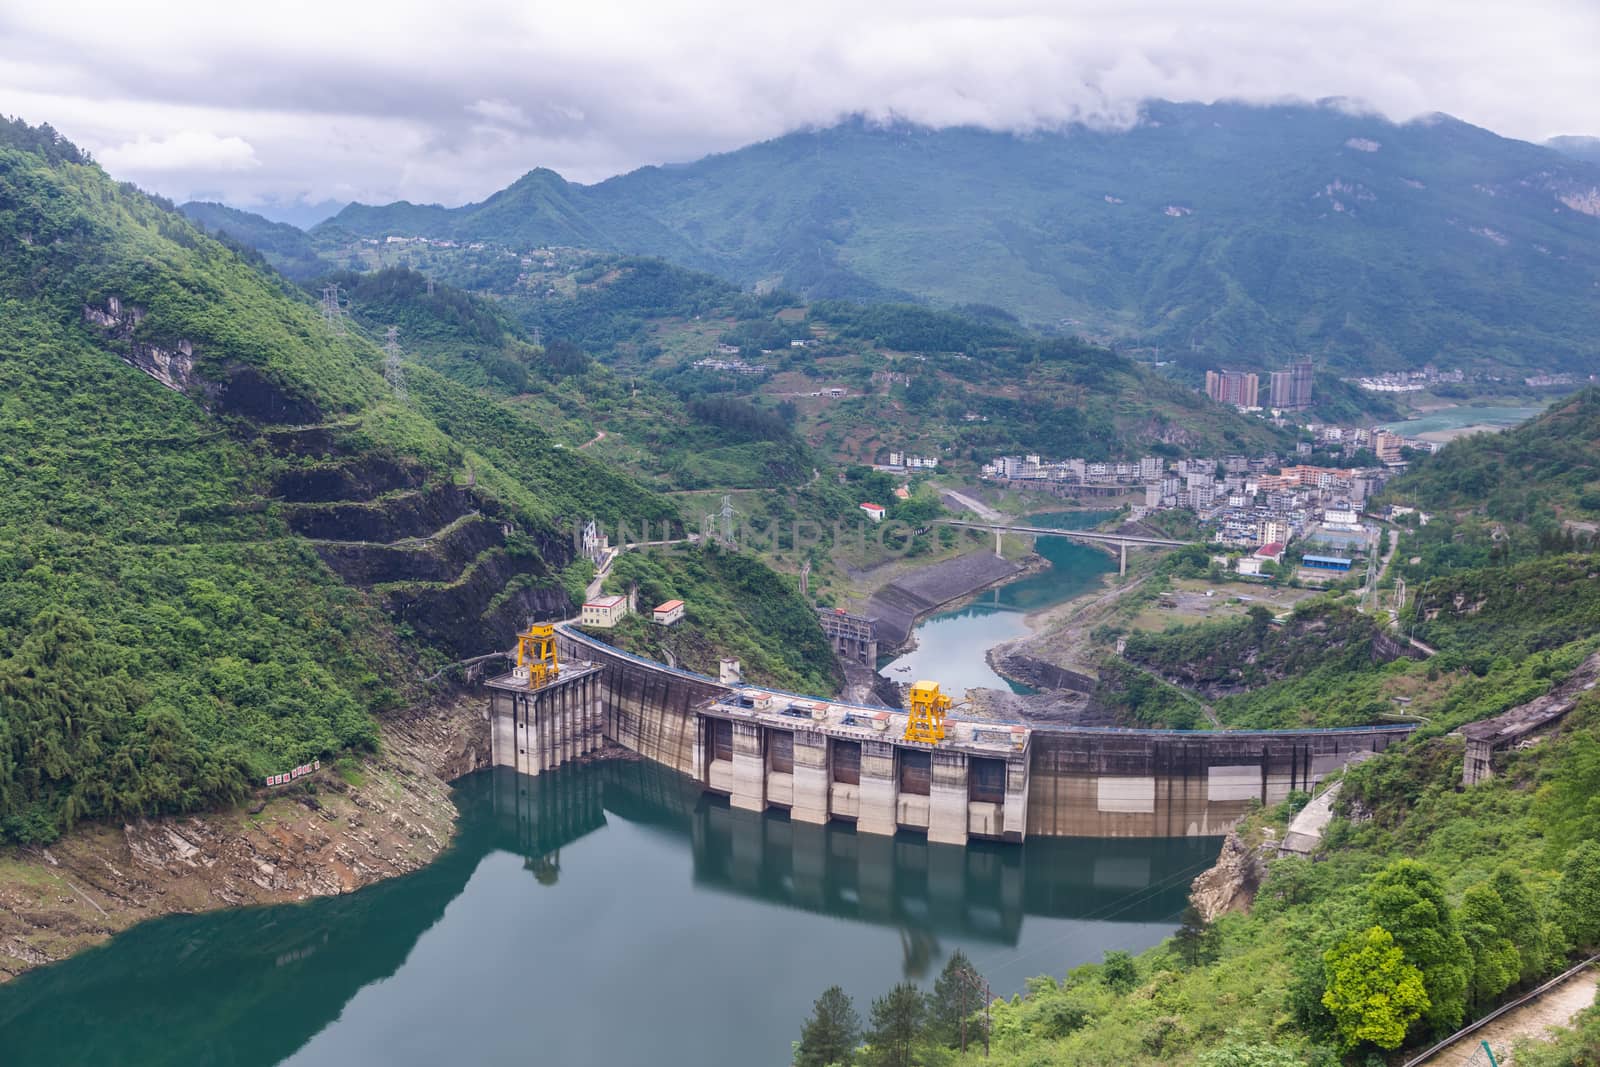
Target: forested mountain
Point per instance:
(287, 247)
(1585, 148)
(231, 538)
(1216, 233)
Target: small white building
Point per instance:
(668, 613)
(874, 511)
(604, 611)
(1250, 565)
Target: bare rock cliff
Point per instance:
(1230, 885)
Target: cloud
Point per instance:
(185, 151)
(406, 99)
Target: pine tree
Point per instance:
(956, 995)
(1194, 940)
(832, 1033)
(897, 1018)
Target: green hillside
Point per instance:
(231, 538)
(286, 247)
(1532, 490)
(964, 385)
(1212, 233)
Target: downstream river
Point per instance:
(608, 914)
(951, 645)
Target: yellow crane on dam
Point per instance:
(537, 660)
(927, 706)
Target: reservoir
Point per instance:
(1454, 422)
(951, 645)
(601, 914)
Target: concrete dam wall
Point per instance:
(825, 761)
(649, 708)
(1089, 782)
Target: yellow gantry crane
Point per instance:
(927, 706)
(536, 654)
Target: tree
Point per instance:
(1407, 899)
(1373, 994)
(1486, 925)
(896, 1024)
(1578, 894)
(1118, 971)
(1195, 940)
(832, 1033)
(1527, 925)
(957, 993)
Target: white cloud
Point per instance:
(185, 151)
(407, 99)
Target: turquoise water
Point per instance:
(1456, 418)
(608, 915)
(951, 645)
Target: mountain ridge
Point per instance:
(1219, 232)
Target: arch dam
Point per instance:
(823, 760)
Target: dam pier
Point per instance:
(886, 770)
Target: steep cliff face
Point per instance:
(1231, 885)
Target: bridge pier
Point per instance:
(1122, 558)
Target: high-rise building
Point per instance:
(1290, 390)
(1387, 445)
(1300, 374)
(1281, 393)
(1238, 388)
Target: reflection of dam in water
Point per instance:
(511, 939)
(983, 890)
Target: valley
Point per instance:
(284, 499)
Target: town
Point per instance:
(1256, 503)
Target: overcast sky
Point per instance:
(375, 101)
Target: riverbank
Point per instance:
(333, 832)
(902, 603)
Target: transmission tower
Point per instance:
(727, 515)
(332, 313)
(392, 371)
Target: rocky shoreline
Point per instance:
(331, 833)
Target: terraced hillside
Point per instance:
(229, 540)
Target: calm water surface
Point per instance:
(1457, 418)
(951, 645)
(596, 915)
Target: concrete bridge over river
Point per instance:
(825, 761)
(1122, 541)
